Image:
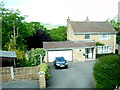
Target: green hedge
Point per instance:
(100, 55)
(107, 71)
(44, 67)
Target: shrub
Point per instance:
(107, 71)
(100, 55)
(44, 67)
(34, 55)
(99, 44)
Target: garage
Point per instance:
(67, 54)
(70, 50)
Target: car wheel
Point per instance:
(66, 67)
(55, 67)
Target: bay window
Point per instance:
(103, 49)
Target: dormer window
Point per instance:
(104, 36)
(87, 36)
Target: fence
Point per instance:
(10, 73)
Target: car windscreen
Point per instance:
(60, 59)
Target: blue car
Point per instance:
(60, 62)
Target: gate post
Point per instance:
(12, 73)
(42, 81)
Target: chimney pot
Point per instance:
(68, 20)
(87, 20)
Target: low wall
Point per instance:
(10, 73)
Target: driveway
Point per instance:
(21, 84)
(78, 75)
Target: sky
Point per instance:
(57, 11)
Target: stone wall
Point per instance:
(10, 73)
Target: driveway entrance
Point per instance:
(78, 75)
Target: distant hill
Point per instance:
(51, 26)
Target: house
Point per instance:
(81, 41)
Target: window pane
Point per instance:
(104, 36)
(87, 36)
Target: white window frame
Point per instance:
(104, 36)
(104, 49)
(87, 35)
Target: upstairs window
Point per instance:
(104, 36)
(87, 36)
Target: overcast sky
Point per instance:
(57, 11)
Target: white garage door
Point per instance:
(67, 54)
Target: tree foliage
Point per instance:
(36, 41)
(14, 24)
(58, 34)
(116, 25)
(34, 56)
(15, 31)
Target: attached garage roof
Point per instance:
(68, 44)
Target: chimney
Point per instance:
(119, 11)
(68, 20)
(87, 20)
(68, 29)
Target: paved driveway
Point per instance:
(78, 75)
(21, 84)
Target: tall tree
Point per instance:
(116, 25)
(58, 34)
(14, 28)
(36, 41)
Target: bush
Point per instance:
(34, 55)
(44, 67)
(107, 71)
(100, 55)
(99, 44)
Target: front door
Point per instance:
(88, 53)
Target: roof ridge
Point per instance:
(91, 21)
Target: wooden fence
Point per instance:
(10, 73)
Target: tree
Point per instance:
(14, 27)
(116, 25)
(36, 41)
(58, 34)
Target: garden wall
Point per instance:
(10, 73)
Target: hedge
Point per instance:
(107, 71)
(44, 67)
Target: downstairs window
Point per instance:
(103, 49)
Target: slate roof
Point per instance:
(68, 44)
(9, 54)
(92, 27)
